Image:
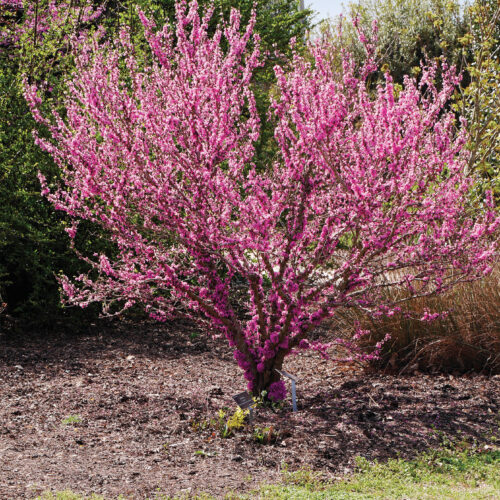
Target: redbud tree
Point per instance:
(369, 189)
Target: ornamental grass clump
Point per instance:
(364, 184)
(463, 335)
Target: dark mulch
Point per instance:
(145, 395)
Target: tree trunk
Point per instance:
(269, 375)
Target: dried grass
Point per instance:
(466, 339)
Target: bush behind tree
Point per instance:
(479, 101)
(409, 32)
(34, 245)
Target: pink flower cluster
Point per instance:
(277, 391)
(370, 188)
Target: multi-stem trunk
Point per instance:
(269, 376)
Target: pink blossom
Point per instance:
(277, 391)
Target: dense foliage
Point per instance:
(33, 246)
(369, 190)
(479, 102)
(409, 32)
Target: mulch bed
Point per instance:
(142, 397)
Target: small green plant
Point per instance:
(234, 422)
(263, 400)
(265, 435)
(201, 425)
(72, 419)
(203, 453)
(194, 335)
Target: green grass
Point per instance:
(72, 419)
(455, 472)
(67, 495)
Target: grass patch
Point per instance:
(67, 495)
(72, 419)
(457, 473)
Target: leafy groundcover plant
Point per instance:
(369, 190)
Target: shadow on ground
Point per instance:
(128, 408)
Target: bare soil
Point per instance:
(130, 409)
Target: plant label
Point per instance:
(244, 400)
(294, 380)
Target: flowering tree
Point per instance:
(369, 190)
